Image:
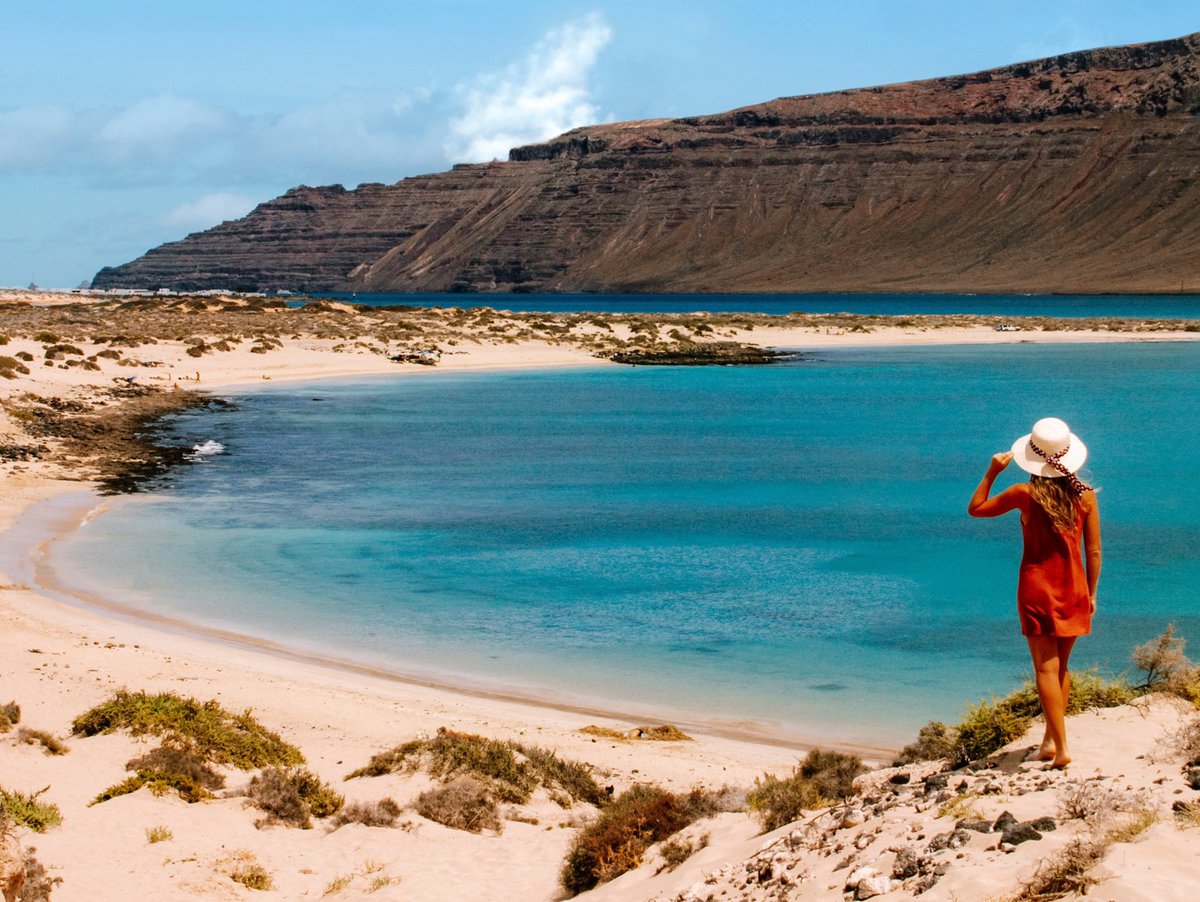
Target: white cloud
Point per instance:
(161, 126)
(210, 210)
(539, 97)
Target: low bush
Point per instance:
(165, 769)
(464, 803)
(25, 808)
(617, 841)
(819, 780)
(206, 728)
(10, 716)
(293, 796)
(158, 834)
(370, 814)
(11, 367)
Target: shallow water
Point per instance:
(786, 545)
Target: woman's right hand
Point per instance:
(1000, 461)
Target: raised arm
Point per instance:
(1010, 499)
(1091, 545)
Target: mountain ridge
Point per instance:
(1075, 173)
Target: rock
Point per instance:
(907, 864)
(870, 887)
(1020, 833)
(954, 840)
(925, 884)
(1193, 777)
(12, 867)
(562, 215)
(853, 817)
(1044, 824)
(976, 824)
(936, 782)
(1004, 822)
(899, 779)
(858, 875)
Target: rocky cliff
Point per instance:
(1077, 173)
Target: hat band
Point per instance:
(1078, 486)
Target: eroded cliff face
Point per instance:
(1077, 173)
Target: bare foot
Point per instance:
(1047, 752)
(1060, 762)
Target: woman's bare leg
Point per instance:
(1050, 658)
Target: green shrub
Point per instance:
(934, 741)
(631, 824)
(832, 773)
(10, 716)
(168, 768)
(512, 770)
(819, 780)
(993, 724)
(24, 808)
(204, 727)
(293, 796)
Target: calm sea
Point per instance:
(783, 545)
(1136, 306)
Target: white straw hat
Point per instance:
(1052, 436)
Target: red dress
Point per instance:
(1052, 589)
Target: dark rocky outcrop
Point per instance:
(1077, 173)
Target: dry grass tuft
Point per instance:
(10, 716)
(158, 833)
(464, 803)
(49, 743)
(675, 852)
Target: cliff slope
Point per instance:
(1076, 173)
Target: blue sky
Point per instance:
(126, 123)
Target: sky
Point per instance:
(127, 123)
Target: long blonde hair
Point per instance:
(1057, 500)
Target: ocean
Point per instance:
(783, 548)
(1076, 306)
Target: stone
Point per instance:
(899, 779)
(936, 782)
(976, 824)
(858, 875)
(907, 864)
(870, 887)
(1193, 777)
(1044, 824)
(1004, 822)
(853, 817)
(1020, 833)
(954, 840)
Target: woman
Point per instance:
(1056, 589)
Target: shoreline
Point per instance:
(29, 559)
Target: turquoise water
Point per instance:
(1139, 306)
(784, 545)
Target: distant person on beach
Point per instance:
(1056, 588)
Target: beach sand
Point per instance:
(59, 657)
